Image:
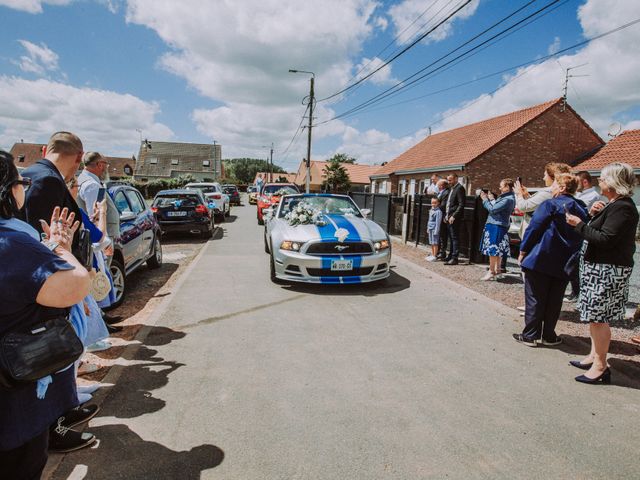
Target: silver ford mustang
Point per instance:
(340, 246)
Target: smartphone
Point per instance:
(101, 193)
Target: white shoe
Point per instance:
(488, 276)
(99, 346)
(431, 258)
(522, 309)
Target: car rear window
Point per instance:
(176, 200)
(204, 188)
(286, 189)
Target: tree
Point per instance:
(342, 158)
(337, 180)
(245, 169)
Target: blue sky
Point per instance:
(202, 71)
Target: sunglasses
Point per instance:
(25, 182)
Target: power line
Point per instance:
(403, 51)
(403, 85)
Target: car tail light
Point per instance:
(202, 209)
(154, 209)
(217, 196)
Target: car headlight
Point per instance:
(381, 245)
(291, 246)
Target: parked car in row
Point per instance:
(215, 195)
(270, 196)
(139, 239)
(233, 193)
(184, 211)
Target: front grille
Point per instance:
(327, 272)
(329, 248)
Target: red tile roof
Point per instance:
(463, 144)
(623, 148)
(358, 174)
(26, 154)
(117, 166)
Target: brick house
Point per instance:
(26, 154)
(622, 148)
(121, 167)
(515, 144)
(172, 159)
(358, 174)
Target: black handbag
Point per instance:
(37, 349)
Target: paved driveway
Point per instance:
(244, 379)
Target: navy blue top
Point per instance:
(549, 240)
(26, 265)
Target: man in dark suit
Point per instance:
(443, 196)
(49, 178)
(454, 216)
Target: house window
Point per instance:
(128, 170)
(20, 158)
(206, 163)
(174, 161)
(153, 160)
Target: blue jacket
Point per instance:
(549, 240)
(500, 209)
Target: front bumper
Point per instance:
(299, 267)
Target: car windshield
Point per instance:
(203, 188)
(278, 190)
(180, 200)
(326, 205)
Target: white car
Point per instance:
(340, 246)
(218, 200)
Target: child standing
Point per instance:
(433, 228)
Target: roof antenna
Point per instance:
(566, 84)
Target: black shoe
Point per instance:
(78, 415)
(518, 337)
(604, 378)
(453, 261)
(114, 329)
(581, 366)
(552, 343)
(112, 319)
(63, 439)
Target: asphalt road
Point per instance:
(244, 379)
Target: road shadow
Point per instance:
(142, 285)
(230, 219)
(578, 345)
(392, 284)
(122, 453)
(176, 238)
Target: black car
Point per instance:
(139, 239)
(234, 194)
(184, 211)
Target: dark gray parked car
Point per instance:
(139, 240)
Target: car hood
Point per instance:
(353, 229)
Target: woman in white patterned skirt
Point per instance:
(606, 265)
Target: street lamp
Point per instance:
(311, 101)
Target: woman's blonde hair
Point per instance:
(568, 181)
(556, 168)
(619, 177)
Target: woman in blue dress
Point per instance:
(495, 240)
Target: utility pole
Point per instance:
(311, 102)
(271, 163)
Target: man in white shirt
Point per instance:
(432, 188)
(586, 191)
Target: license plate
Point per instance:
(341, 265)
(176, 214)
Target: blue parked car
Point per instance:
(139, 240)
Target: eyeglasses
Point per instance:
(25, 182)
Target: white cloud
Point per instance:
(381, 77)
(106, 121)
(404, 15)
(239, 54)
(39, 59)
(610, 89)
(31, 6)
(381, 22)
(554, 47)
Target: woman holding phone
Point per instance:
(495, 240)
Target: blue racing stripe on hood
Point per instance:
(343, 222)
(327, 232)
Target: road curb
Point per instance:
(131, 350)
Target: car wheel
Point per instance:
(260, 221)
(207, 234)
(220, 217)
(272, 270)
(266, 245)
(155, 260)
(119, 281)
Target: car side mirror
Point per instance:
(366, 212)
(268, 213)
(127, 216)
